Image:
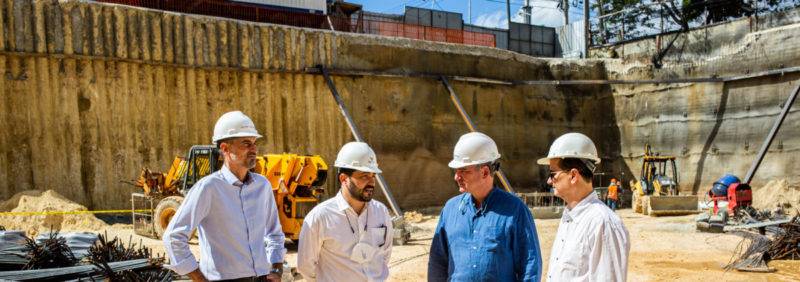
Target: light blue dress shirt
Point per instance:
(237, 224)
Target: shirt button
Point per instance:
(474, 266)
(474, 248)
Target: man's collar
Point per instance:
(341, 203)
(581, 206)
(231, 178)
(468, 200)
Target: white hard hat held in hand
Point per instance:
(234, 124)
(358, 156)
(472, 149)
(571, 145)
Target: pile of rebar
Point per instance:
(51, 259)
(756, 251)
(53, 252)
(785, 245)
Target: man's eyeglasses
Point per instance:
(553, 174)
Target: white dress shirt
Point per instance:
(332, 229)
(591, 244)
(237, 224)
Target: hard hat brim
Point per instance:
(546, 161)
(237, 135)
(361, 168)
(457, 164)
(543, 161)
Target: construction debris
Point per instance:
(760, 250)
(51, 253)
(77, 272)
(52, 259)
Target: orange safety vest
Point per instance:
(612, 192)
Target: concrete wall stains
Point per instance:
(93, 92)
(713, 128)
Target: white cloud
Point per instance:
(496, 19)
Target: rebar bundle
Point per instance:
(105, 252)
(785, 245)
(756, 251)
(53, 252)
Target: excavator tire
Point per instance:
(165, 209)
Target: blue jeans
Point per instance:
(612, 204)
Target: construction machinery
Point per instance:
(737, 195)
(296, 184)
(657, 191)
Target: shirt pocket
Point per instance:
(377, 236)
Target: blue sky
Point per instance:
(490, 13)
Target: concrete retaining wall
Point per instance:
(713, 128)
(91, 93)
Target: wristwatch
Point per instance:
(278, 271)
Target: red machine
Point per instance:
(739, 195)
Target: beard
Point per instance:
(363, 195)
(249, 161)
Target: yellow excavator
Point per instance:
(296, 184)
(656, 192)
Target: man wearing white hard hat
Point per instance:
(591, 243)
(234, 213)
(485, 233)
(348, 237)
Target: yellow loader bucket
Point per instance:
(669, 205)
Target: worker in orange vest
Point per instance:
(613, 195)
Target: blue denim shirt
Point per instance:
(497, 242)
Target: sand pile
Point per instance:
(42, 201)
(777, 193)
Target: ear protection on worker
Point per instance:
(358, 156)
(234, 124)
(472, 149)
(573, 145)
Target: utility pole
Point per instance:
(469, 11)
(587, 33)
(566, 11)
(508, 12)
(527, 11)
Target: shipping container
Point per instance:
(304, 6)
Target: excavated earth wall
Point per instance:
(92, 92)
(719, 127)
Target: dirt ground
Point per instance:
(662, 249)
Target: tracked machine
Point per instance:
(296, 184)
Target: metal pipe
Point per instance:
(357, 135)
(342, 72)
(771, 136)
(471, 125)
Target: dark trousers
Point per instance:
(247, 279)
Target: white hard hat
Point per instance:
(474, 148)
(571, 145)
(234, 124)
(358, 156)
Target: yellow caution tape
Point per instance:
(68, 212)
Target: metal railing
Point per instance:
(356, 23)
(615, 24)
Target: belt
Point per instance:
(247, 279)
